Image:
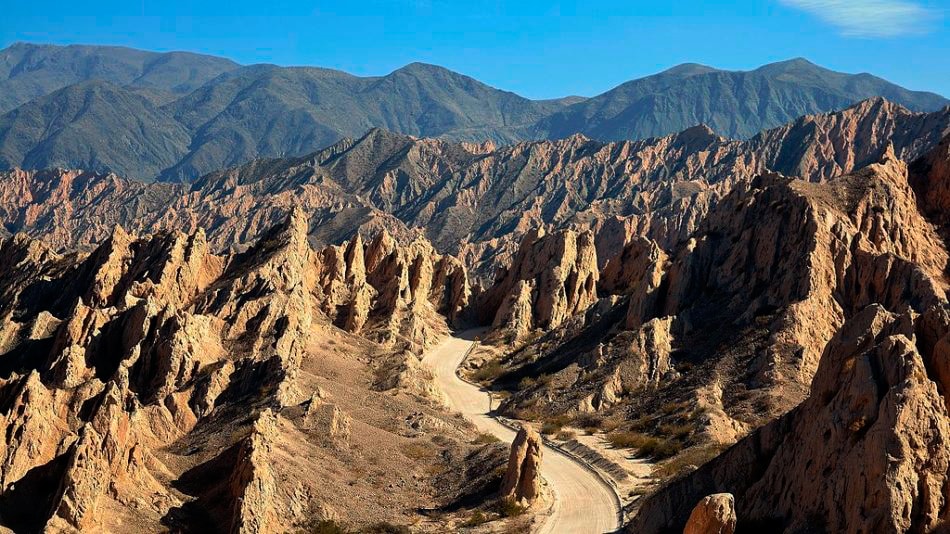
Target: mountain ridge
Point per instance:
(232, 114)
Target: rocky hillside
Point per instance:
(154, 385)
(746, 305)
(818, 310)
(477, 201)
(876, 413)
(215, 113)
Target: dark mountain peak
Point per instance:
(790, 64)
(418, 66)
(689, 69)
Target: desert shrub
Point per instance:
(552, 425)
(673, 407)
(417, 451)
(688, 460)
(642, 423)
(509, 508)
(566, 435)
(527, 383)
(646, 446)
(325, 526)
(589, 420)
(529, 413)
(489, 371)
(609, 425)
(385, 528)
(549, 428)
(628, 440)
(663, 448)
(478, 518)
(484, 438)
(675, 431)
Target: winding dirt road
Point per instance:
(583, 503)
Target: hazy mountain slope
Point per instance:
(29, 70)
(734, 104)
(264, 110)
(92, 125)
(234, 114)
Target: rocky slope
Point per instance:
(725, 334)
(152, 384)
(479, 201)
(866, 451)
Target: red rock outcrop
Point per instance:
(714, 514)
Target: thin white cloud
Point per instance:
(870, 18)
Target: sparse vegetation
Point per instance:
(417, 451)
(489, 371)
(485, 438)
(477, 518)
(385, 528)
(509, 508)
(690, 459)
(552, 425)
(566, 435)
(589, 420)
(324, 526)
(645, 445)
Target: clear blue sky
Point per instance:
(537, 49)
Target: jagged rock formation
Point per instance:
(552, 278)
(714, 514)
(877, 413)
(152, 378)
(469, 200)
(522, 480)
(747, 304)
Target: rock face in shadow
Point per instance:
(522, 480)
(866, 451)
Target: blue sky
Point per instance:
(537, 49)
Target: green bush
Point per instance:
(484, 438)
(488, 371)
(509, 508)
(646, 446)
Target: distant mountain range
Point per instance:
(176, 116)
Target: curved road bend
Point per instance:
(583, 503)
